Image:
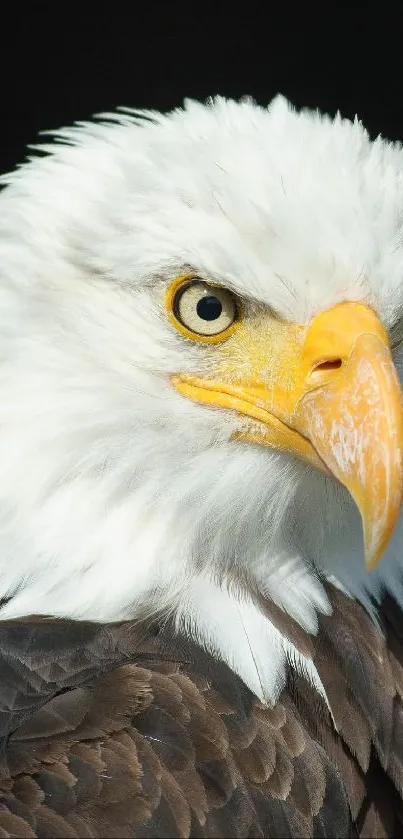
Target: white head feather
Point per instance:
(119, 497)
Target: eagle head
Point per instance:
(200, 361)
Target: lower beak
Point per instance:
(340, 408)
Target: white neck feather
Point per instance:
(234, 630)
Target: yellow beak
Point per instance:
(332, 397)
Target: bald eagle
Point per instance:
(201, 444)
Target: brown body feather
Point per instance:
(123, 732)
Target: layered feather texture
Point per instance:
(119, 731)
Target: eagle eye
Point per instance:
(202, 311)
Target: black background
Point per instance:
(60, 63)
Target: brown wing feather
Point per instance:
(125, 732)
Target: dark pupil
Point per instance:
(209, 307)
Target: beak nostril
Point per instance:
(331, 364)
(320, 370)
